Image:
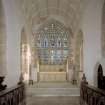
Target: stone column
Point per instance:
(2, 41)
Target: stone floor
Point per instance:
(53, 100)
(53, 94)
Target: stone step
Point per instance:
(53, 100)
(53, 91)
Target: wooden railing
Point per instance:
(13, 96)
(90, 95)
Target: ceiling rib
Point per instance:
(69, 10)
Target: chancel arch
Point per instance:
(54, 51)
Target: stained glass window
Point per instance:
(52, 43)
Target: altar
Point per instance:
(52, 76)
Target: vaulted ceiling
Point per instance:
(69, 11)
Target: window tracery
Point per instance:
(52, 43)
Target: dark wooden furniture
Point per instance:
(13, 96)
(90, 95)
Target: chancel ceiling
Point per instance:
(70, 11)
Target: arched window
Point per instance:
(52, 43)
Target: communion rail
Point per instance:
(90, 95)
(13, 96)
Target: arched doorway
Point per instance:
(53, 50)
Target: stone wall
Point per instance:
(2, 41)
(79, 54)
(103, 31)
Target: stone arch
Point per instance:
(2, 41)
(79, 55)
(59, 27)
(39, 21)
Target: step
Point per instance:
(53, 91)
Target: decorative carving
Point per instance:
(13, 96)
(101, 101)
(2, 87)
(90, 95)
